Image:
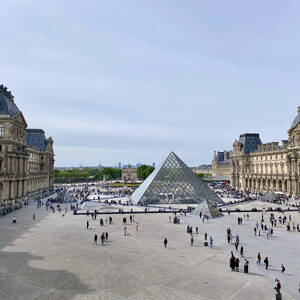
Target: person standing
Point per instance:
(266, 261)
(106, 236)
(33, 217)
(87, 224)
(192, 240)
(211, 241)
(165, 242)
(95, 239)
(282, 268)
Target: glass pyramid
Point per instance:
(174, 182)
(205, 208)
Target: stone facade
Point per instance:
(203, 169)
(129, 174)
(262, 167)
(221, 164)
(26, 157)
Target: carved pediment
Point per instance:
(20, 118)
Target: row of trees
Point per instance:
(107, 173)
(96, 174)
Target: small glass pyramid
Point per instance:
(174, 182)
(65, 197)
(206, 209)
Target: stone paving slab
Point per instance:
(54, 258)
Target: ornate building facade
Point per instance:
(221, 164)
(26, 157)
(129, 174)
(272, 166)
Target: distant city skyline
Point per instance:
(135, 80)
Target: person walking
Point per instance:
(232, 261)
(192, 240)
(95, 239)
(246, 266)
(137, 227)
(211, 241)
(33, 217)
(165, 242)
(242, 251)
(258, 258)
(87, 224)
(266, 261)
(277, 286)
(237, 264)
(102, 238)
(125, 231)
(106, 236)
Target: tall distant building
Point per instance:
(26, 157)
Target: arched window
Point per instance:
(1, 129)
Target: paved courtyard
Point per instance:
(54, 257)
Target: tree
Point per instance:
(144, 171)
(200, 175)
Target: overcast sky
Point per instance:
(130, 81)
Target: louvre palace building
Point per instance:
(26, 157)
(272, 166)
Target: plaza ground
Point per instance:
(54, 257)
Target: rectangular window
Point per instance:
(1, 129)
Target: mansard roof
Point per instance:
(35, 138)
(7, 104)
(250, 142)
(297, 119)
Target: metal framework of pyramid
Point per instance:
(270, 196)
(65, 197)
(174, 183)
(205, 208)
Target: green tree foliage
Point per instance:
(108, 174)
(75, 173)
(200, 175)
(144, 171)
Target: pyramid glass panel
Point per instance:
(174, 182)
